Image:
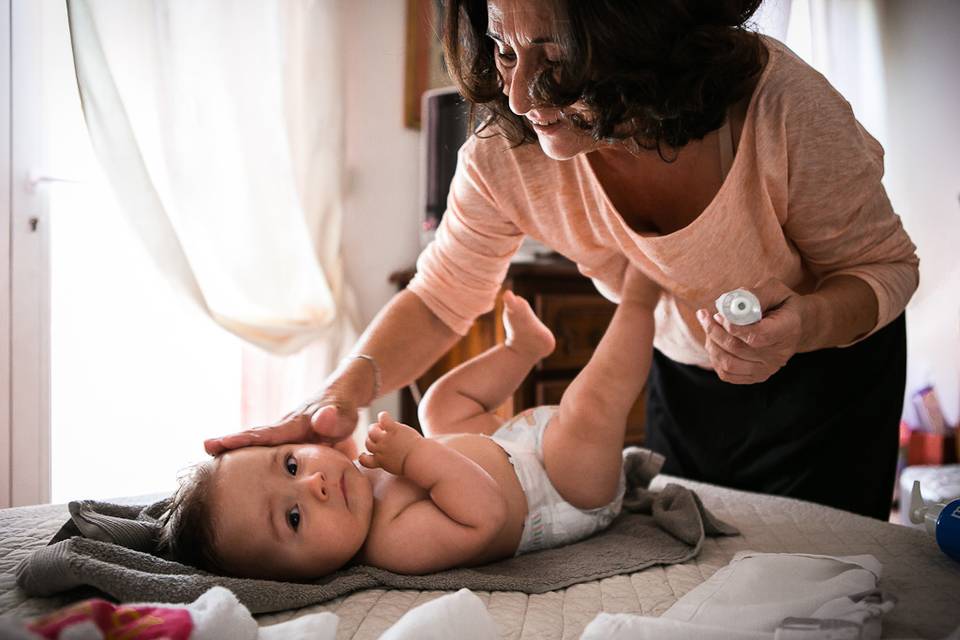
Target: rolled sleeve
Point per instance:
(460, 273)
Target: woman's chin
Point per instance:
(562, 147)
(556, 152)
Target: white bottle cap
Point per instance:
(739, 307)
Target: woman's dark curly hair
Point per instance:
(662, 72)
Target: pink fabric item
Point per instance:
(802, 202)
(138, 622)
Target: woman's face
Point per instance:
(522, 31)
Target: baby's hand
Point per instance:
(388, 442)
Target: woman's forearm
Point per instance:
(404, 339)
(842, 310)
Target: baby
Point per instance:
(474, 490)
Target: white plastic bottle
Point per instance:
(739, 307)
(941, 520)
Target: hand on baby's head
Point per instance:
(388, 444)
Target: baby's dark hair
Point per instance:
(188, 534)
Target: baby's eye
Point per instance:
(293, 518)
(291, 464)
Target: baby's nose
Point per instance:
(317, 485)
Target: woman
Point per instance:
(665, 135)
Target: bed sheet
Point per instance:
(926, 582)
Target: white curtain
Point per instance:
(220, 127)
(842, 40)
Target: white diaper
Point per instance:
(551, 520)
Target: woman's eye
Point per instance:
(291, 464)
(506, 56)
(293, 517)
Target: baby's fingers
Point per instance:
(385, 421)
(375, 433)
(368, 460)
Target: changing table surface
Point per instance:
(925, 582)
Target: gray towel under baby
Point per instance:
(107, 546)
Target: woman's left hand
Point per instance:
(752, 353)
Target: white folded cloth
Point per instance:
(767, 596)
(218, 614)
(459, 615)
(758, 596)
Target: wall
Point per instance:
(921, 52)
(381, 218)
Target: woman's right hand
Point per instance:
(405, 335)
(325, 421)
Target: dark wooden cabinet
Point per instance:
(568, 304)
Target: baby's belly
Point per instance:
(495, 461)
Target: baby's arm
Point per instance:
(465, 512)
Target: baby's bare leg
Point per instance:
(464, 399)
(583, 445)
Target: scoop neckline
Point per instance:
(652, 237)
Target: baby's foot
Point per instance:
(525, 333)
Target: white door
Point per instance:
(5, 219)
(111, 380)
(24, 372)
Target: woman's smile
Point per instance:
(546, 127)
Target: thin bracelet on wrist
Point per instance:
(316, 402)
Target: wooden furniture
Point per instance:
(568, 304)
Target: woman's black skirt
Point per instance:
(824, 428)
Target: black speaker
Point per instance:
(445, 126)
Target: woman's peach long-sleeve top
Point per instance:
(802, 202)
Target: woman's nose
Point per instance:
(317, 486)
(518, 90)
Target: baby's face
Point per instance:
(291, 511)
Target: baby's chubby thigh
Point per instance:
(586, 474)
(551, 519)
